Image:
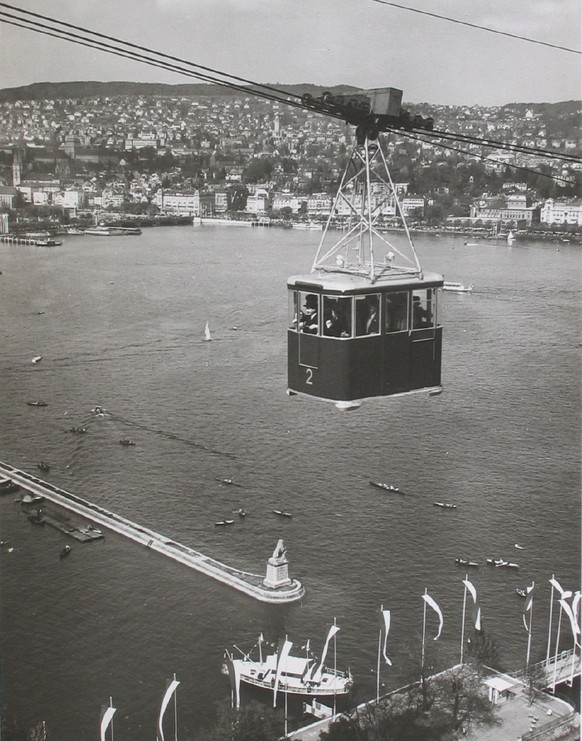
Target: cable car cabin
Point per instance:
(350, 339)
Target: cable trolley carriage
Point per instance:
(364, 323)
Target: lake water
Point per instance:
(122, 327)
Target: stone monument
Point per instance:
(278, 568)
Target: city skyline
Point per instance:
(364, 43)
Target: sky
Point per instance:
(323, 42)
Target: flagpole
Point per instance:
(529, 633)
(334, 670)
(378, 664)
(423, 635)
(285, 710)
(550, 619)
(176, 711)
(463, 624)
(556, 652)
(111, 723)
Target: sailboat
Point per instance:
(510, 237)
(207, 335)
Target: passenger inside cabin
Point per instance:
(420, 314)
(367, 315)
(335, 324)
(308, 321)
(397, 312)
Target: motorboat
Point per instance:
(521, 592)
(37, 403)
(297, 675)
(386, 487)
(65, 552)
(457, 287)
(518, 546)
(77, 430)
(37, 359)
(466, 562)
(27, 499)
(221, 523)
(230, 482)
(241, 512)
(43, 466)
(282, 513)
(126, 441)
(445, 505)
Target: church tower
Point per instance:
(16, 168)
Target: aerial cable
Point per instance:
(476, 25)
(129, 54)
(556, 178)
(148, 50)
(518, 148)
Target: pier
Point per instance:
(274, 591)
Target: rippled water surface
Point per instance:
(121, 326)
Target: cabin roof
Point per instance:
(348, 283)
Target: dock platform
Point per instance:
(243, 581)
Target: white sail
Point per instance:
(207, 335)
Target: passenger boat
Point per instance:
(386, 487)
(297, 675)
(282, 513)
(457, 287)
(445, 505)
(465, 562)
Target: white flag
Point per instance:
(429, 601)
(575, 629)
(528, 604)
(167, 697)
(281, 659)
(558, 587)
(316, 675)
(106, 718)
(471, 589)
(386, 614)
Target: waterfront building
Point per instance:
(185, 203)
(562, 211)
(8, 195)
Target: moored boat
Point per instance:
(386, 487)
(457, 287)
(294, 675)
(466, 562)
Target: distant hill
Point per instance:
(91, 89)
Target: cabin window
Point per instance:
(397, 311)
(368, 315)
(308, 312)
(337, 316)
(292, 310)
(424, 308)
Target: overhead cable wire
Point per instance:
(415, 137)
(116, 50)
(478, 26)
(146, 49)
(128, 54)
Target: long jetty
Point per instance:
(244, 581)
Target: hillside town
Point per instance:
(139, 158)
